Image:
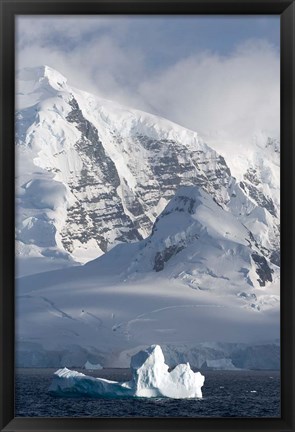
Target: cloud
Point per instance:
(226, 98)
(45, 30)
(89, 52)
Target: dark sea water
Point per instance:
(225, 394)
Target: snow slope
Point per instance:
(82, 317)
(193, 280)
(196, 240)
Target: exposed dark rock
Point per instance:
(247, 296)
(84, 221)
(260, 198)
(275, 258)
(251, 175)
(165, 255)
(262, 269)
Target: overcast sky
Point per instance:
(216, 75)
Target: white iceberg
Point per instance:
(220, 364)
(150, 378)
(90, 366)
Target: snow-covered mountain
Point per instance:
(177, 251)
(199, 279)
(92, 174)
(196, 240)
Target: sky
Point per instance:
(217, 75)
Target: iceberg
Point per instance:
(150, 378)
(220, 364)
(90, 366)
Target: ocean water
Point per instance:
(225, 394)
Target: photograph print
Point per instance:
(147, 202)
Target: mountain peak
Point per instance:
(37, 83)
(186, 199)
(38, 73)
(54, 76)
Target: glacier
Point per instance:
(150, 378)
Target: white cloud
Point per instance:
(89, 56)
(227, 99)
(45, 29)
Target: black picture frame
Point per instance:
(9, 10)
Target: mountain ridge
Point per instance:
(116, 169)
